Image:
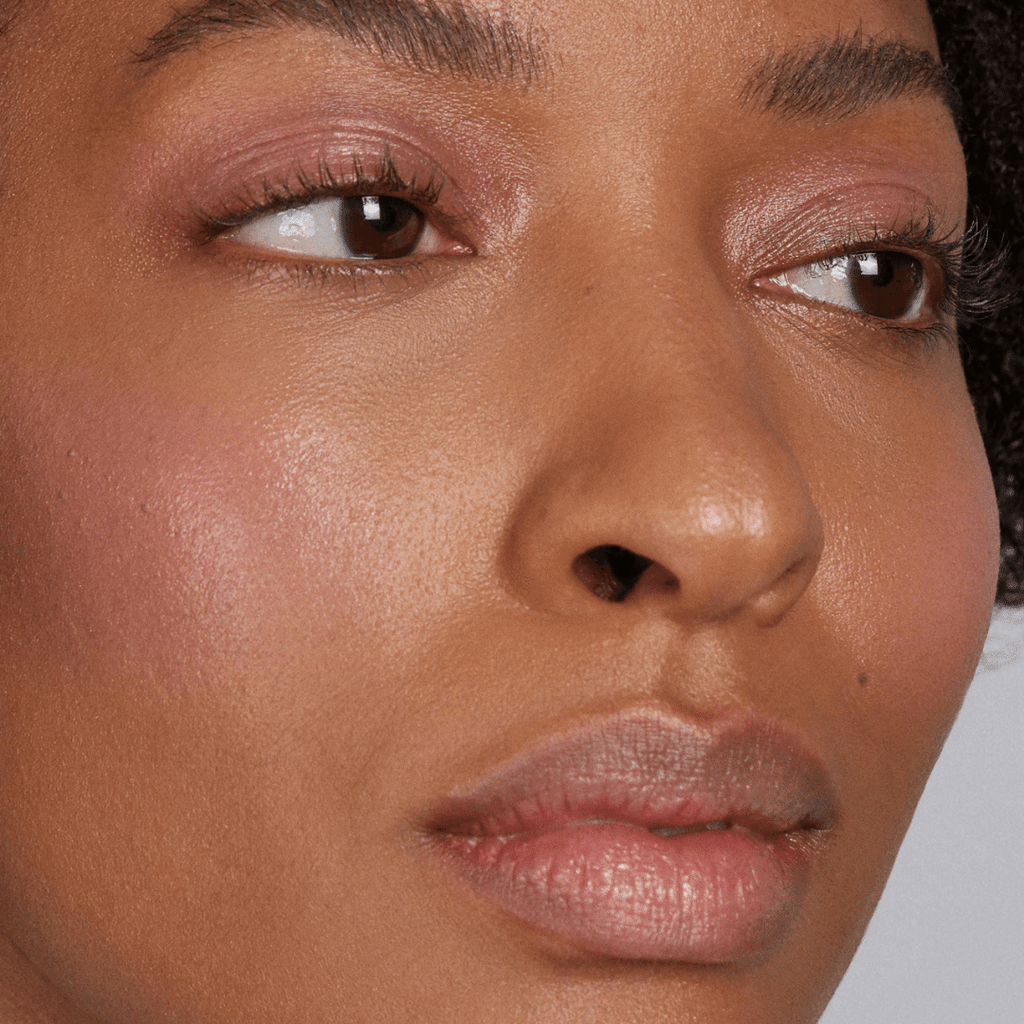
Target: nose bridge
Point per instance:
(670, 451)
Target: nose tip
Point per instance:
(664, 535)
(755, 546)
(765, 585)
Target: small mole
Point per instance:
(862, 679)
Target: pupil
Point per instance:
(380, 227)
(885, 284)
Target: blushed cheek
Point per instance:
(148, 541)
(183, 605)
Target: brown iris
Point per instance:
(885, 284)
(380, 227)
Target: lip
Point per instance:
(560, 836)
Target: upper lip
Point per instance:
(653, 770)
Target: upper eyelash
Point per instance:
(979, 273)
(301, 187)
(973, 275)
(973, 285)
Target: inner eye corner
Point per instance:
(767, 283)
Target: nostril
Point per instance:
(610, 572)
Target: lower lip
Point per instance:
(714, 896)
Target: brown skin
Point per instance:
(283, 562)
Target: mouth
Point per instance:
(668, 832)
(665, 831)
(645, 837)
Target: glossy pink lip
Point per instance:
(561, 836)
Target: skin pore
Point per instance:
(294, 544)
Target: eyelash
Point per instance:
(972, 276)
(301, 188)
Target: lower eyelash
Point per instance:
(930, 338)
(360, 275)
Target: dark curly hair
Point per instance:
(982, 45)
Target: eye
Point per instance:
(374, 227)
(885, 284)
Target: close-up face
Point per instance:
(493, 523)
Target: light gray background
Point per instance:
(946, 945)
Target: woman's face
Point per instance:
(330, 689)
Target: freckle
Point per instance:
(862, 680)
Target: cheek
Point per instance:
(168, 542)
(942, 623)
(123, 538)
(918, 616)
(181, 610)
(958, 560)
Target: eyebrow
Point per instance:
(421, 34)
(835, 79)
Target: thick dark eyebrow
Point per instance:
(839, 78)
(420, 34)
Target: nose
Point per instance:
(679, 498)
